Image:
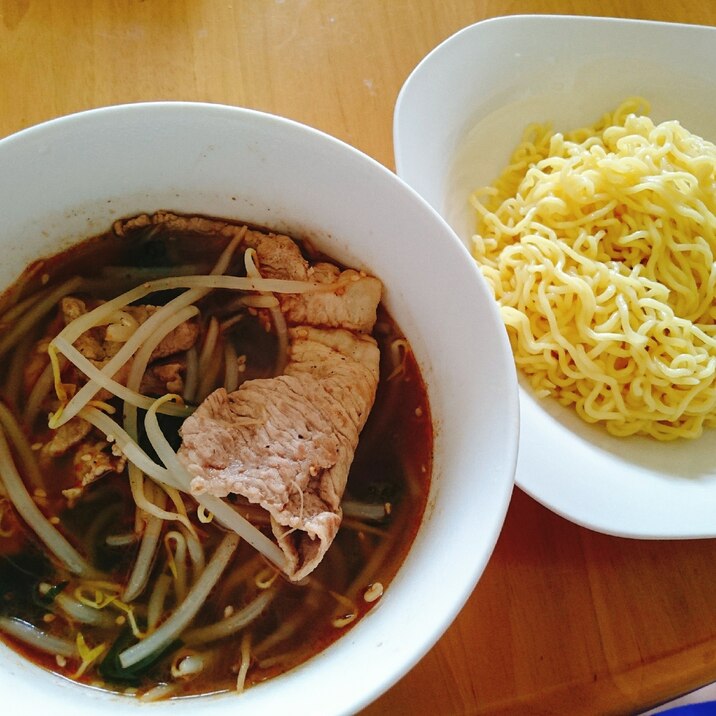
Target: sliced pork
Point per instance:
(96, 458)
(164, 374)
(66, 437)
(99, 344)
(350, 304)
(287, 443)
(93, 456)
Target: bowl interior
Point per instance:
(457, 120)
(70, 178)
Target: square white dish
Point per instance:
(457, 119)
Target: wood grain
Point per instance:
(564, 620)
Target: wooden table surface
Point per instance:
(564, 620)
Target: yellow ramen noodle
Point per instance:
(599, 246)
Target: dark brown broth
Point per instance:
(392, 464)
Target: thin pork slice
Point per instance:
(94, 345)
(351, 304)
(287, 443)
